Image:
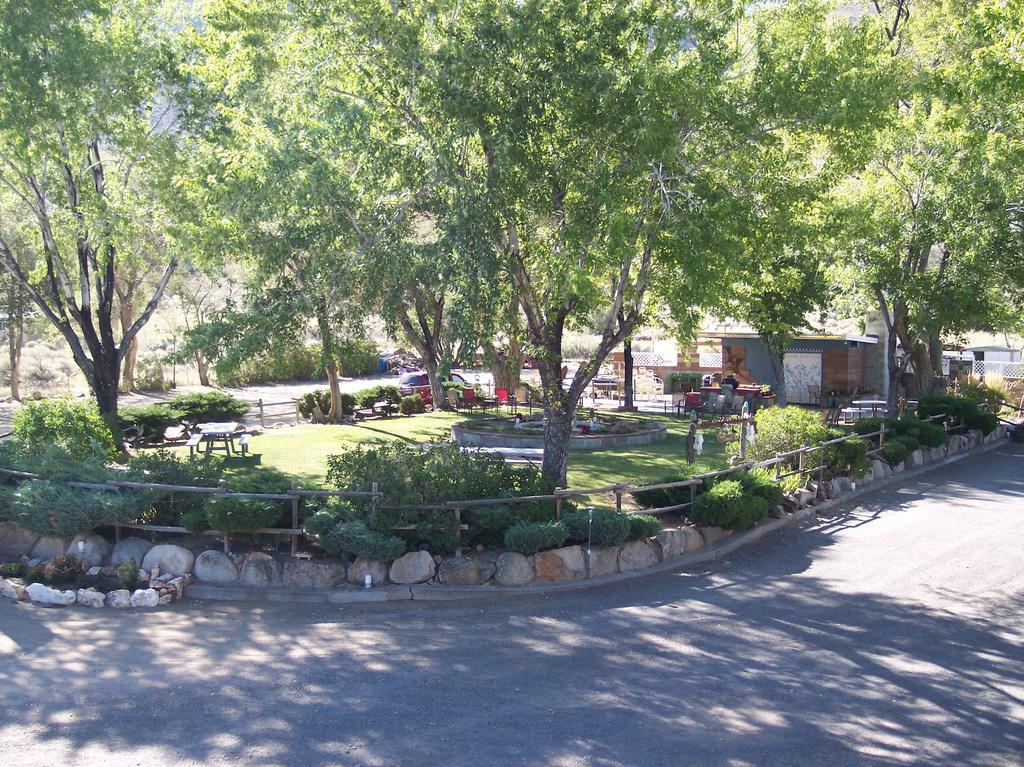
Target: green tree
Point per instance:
(83, 128)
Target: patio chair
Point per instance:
(501, 397)
(814, 394)
(453, 399)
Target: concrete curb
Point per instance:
(426, 592)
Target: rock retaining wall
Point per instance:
(258, 571)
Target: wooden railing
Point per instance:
(802, 456)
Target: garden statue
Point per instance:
(593, 419)
(691, 443)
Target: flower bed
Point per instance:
(606, 433)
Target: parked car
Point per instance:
(419, 383)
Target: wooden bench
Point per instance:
(193, 444)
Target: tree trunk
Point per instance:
(204, 369)
(330, 362)
(432, 365)
(559, 412)
(779, 369)
(627, 386)
(127, 317)
(15, 335)
(104, 380)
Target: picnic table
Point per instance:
(215, 436)
(874, 404)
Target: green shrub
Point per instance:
(610, 528)
(487, 524)
(761, 484)
(849, 456)
(211, 406)
(294, 362)
(317, 398)
(894, 452)
(150, 421)
(986, 422)
(320, 523)
(356, 539)
(195, 520)
(412, 405)
(33, 575)
(357, 356)
(868, 425)
(909, 442)
(643, 526)
(55, 510)
(782, 429)
(128, 574)
(367, 398)
(13, 569)
(931, 434)
(439, 533)
(241, 515)
(531, 537)
(726, 505)
(162, 467)
(76, 427)
(657, 499)
(62, 569)
(946, 406)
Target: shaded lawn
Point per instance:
(302, 450)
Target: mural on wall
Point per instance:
(803, 371)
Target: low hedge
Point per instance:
(726, 505)
(531, 537)
(609, 528)
(356, 539)
(894, 452)
(241, 515)
(643, 526)
(412, 405)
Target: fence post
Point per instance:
(802, 456)
(297, 413)
(778, 468)
(618, 499)
(263, 423)
(458, 530)
(295, 518)
(558, 504)
(693, 491)
(881, 435)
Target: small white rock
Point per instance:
(90, 598)
(44, 595)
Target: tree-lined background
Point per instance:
(499, 175)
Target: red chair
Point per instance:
(501, 395)
(692, 400)
(469, 398)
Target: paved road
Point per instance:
(889, 633)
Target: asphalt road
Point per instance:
(891, 632)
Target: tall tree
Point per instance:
(82, 130)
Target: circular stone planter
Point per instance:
(468, 434)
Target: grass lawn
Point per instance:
(302, 450)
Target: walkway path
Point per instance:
(890, 633)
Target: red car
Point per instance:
(419, 383)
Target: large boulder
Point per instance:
(12, 590)
(916, 458)
(712, 534)
(130, 549)
(414, 567)
(215, 567)
(91, 548)
(880, 469)
(90, 598)
(513, 569)
(260, 570)
(938, 453)
(637, 555)
(361, 567)
(694, 540)
(145, 598)
(670, 543)
(119, 598)
(46, 549)
(44, 595)
(309, 574)
(565, 564)
(15, 542)
(176, 560)
(460, 571)
(604, 560)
